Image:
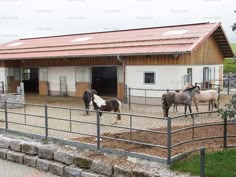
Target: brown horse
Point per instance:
(107, 105)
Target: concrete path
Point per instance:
(11, 169)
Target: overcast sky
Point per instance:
(34, 18)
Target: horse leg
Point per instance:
(196, 104)
(190, 110)
(185, 110)
(87, 108)
(118, 115)
(175, 108)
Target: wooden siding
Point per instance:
(120, 90)
(208, 53)
(2, 64)
(63, 62)
(81, 87)
(43, 88)
(157, 60)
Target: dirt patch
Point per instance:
(161, 139)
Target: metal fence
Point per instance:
(149, 137)
(153, 96)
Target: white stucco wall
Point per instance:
(3, 76)
(54, 74)
(83, 74)
(167, 77)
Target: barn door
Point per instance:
(43, 82)
(13, 79)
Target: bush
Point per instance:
(230, 109)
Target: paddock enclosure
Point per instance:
(109, 61)
(142, 130)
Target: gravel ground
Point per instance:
(63, 117)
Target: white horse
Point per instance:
(206, 96)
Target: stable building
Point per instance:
(149, 58)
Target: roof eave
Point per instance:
(106, 55)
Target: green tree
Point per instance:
(229, 111)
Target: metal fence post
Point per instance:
(225, 133)
(98, 129)
(129, 98)
(6, 117)
(228, 85)
(168, 141)
(126, 90)
(193, 128)
(46, 122)
(202, 162)
(218, 99)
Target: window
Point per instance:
(212, 73)
(190, 74)
(25, 74)
(149, 78)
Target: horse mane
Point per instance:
(192, 88)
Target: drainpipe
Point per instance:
(123, 65)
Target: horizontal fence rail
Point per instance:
(163, 137)
(152, 97)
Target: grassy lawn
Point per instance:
(217, 164)
(229, 65)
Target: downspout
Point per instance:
(123, 65)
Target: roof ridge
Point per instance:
(116, 30)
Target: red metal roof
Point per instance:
(147, 41)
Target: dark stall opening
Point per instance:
(30, 78)
(104, 80)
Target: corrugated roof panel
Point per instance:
(172, 39)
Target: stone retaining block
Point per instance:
(30, 148)
(42, 164)
(71, 171)
(64, 157)
(82, 162)
(15, 156)
(57, 168)
(3, 153)
(90, 174)
(46, 151)
(5, 142)
(120, 171)
(16, 145)
(101, 168)
(30, 160)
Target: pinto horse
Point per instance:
(87, 97)
(107, 105)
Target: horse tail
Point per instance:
(119, 111)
